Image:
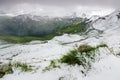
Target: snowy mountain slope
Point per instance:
(108, 22)
(39, 55)
(110, 26)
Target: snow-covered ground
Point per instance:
(39, 54)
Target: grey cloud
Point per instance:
(51, 7)
(62, 2)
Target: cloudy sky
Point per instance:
(57, 7)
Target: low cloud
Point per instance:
(54, 7)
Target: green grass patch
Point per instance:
(23, 66)
(75, 28)
(71, 58)
(15, 39)
(51, 66)
(83, 56)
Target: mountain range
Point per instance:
(32, 25)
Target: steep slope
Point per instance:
(110, 28)
(109, 22)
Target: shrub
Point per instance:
(85, 48)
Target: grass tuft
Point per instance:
(71, 58)
(23, 66)
(52, 65)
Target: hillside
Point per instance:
(94, 55)
(26, 28)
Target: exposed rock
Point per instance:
(5, 68)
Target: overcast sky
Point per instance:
(63, 2)
(57, 7)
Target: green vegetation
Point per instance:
(52, 65)
(7, 71)
(61, 78)
(118, 54)
(71, 58)
(15, 39)
(9, 68)
(102, 45)
(83, 56)
(76, 27)
(23, 66)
